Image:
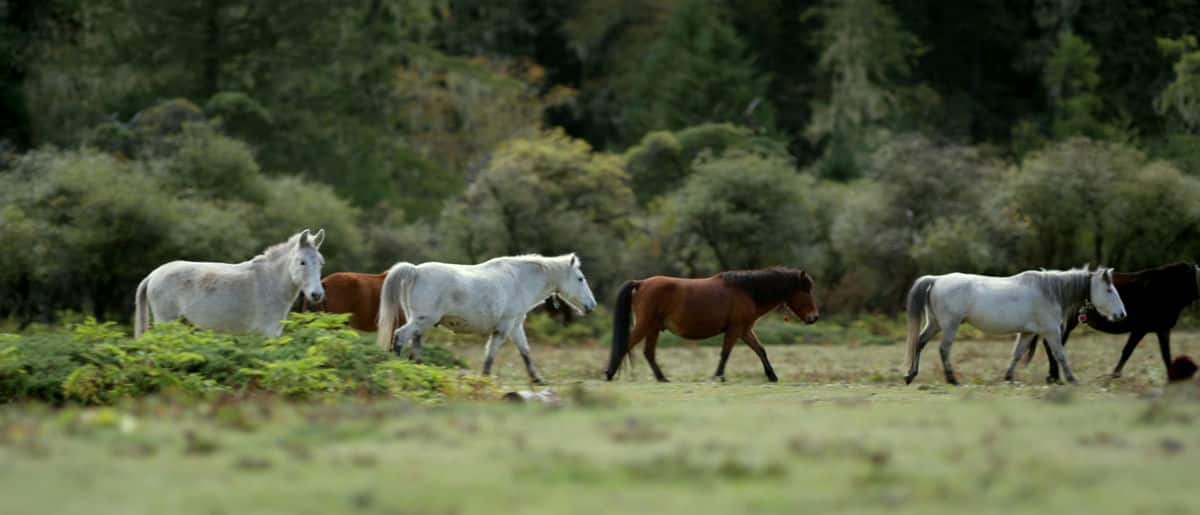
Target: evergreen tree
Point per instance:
(698, 70)
(866, 54)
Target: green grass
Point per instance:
(840, 433)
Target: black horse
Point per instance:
(1153, 299)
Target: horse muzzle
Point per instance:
(1117, 317)
(811, 319)
(315, 297)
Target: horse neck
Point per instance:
(1073, 290)
(276, 281)
(536, 286)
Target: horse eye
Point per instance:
(580, 279)
(302, 263)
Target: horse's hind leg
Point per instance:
(751, 340)
(651, 348)
(518, 337)
(493, 344)
(726, 347)
(948, 334)
(1054, 341)
(1135, 338)
(412, 330)
(927, 334)
(1020, 347)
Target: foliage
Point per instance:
(866, 52)
(1181, 98)
(96, 363)
(744, 210)
(549, 194)
(698, 70)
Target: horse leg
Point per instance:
(414, 352)
(1135, 338)
(1053, 377)
(518, 337)
(726, 347)
(1054, 342)
(931, 329)
(412, 329)
(493, 344)
(1164, 346)
(651, 348)
(1020, 347)
(751, 340)
(948, 334)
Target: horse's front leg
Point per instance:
(518, 337)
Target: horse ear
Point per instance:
(1107, 275)
(303, 240)
(574, 260)
(318, 239)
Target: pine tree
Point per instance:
(699, 70)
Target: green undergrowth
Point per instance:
(98, 363)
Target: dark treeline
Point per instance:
(868, 141)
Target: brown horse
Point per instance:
(729, 302)
(354, 293)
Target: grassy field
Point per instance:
(839, 433)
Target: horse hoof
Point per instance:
(539, 381)
(952, 381)
(773, 379)
(1115, 375)
(908, 379)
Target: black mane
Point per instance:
(768, 286)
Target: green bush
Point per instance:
(97, 363)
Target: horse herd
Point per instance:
(493, 298)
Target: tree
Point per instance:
(1072, 81)
(699, 70)
(549, 194)
(866, 54)
(741, 210)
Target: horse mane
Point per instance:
(1070, 288)
(277, 250)
(770, 285)
(546, 262)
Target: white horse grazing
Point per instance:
(1030, 303)
(490, 298)
(248, 297)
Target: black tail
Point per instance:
(621, 319)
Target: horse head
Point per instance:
(572, 287)
(304, 265)
(1103, 295)
(803, 302)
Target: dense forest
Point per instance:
(867, 141)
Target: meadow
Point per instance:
(839, 434)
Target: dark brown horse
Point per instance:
(729, 302)
(1153, 300)
(354, 293)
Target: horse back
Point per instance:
(691, 308)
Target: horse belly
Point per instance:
(463, 325)
(998, 321)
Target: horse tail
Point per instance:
(918, 298)
(141, 309)
(398, 278)
(621, 318)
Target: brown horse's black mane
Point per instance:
(768, 286)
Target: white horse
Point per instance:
(248, 297)
(1030, 303)
(490, 298)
